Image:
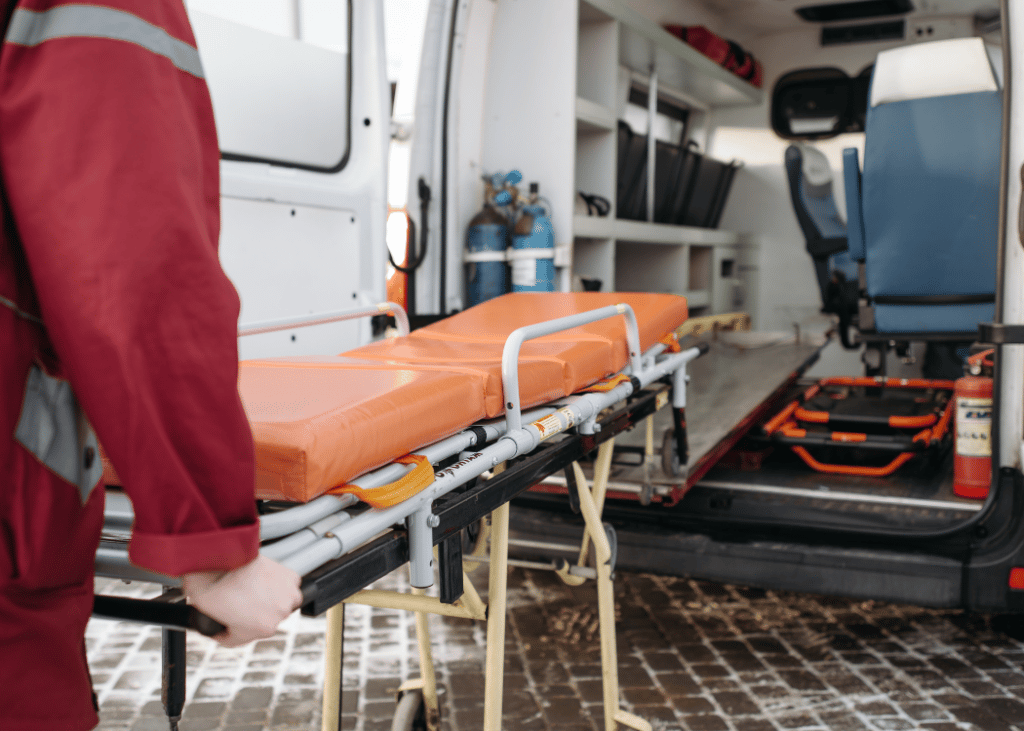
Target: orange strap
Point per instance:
(671, 343)
(412, 483)
(607, 384)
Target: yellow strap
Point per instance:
(385, 496)
(607, 384)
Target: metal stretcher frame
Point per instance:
(330, 549)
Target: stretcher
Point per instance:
(451, 422)
(866, 426)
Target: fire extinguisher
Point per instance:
(972, 463)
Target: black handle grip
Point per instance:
(162, 614)
(703, 347)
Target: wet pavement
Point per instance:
(692, 655)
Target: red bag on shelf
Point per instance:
(724, 52)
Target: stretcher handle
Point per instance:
(290, 323)
(163, 614)
(510, 354)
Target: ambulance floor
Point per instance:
(692, 655)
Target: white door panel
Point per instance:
(289, 261)
(301, 101)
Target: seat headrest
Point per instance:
(924, 70)
(815, 166)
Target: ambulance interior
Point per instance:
(759, 513)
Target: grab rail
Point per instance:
(288, 323)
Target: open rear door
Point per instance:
(301, 101)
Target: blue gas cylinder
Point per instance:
(533, 250)
(485, 255)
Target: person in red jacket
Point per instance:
(114, 312)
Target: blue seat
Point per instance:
(810, 188)
(923, 217)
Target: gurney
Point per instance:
(443, 442)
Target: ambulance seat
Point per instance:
(928, 197)
(810, 187)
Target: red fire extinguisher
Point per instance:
(972, 463)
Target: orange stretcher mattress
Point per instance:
(321, 421)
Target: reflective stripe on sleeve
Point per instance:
(30, 28)
(55, 430)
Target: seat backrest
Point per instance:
(930, 184)
(810, 188)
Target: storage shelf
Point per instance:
(698, 298)
(644, 44)
(597, 227)
(592, 117)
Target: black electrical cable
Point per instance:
(410, 268)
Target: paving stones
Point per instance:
(693, 655)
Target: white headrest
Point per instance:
(815, 166)
(939, 68)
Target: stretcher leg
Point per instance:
(333, 658)
(602, 471)
(427, 681)
(613, 714)
(173, 681)
(494, 665)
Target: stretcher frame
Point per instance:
(338, 556)
(929, 430)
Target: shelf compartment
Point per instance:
(643, 44)
(641, 267)
(592, 117)
(698, 298)
(655, 233)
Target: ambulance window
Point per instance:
(278, 76)
(816, 104)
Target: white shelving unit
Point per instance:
(616, 41)
(564, 134)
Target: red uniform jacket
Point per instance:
(109, 165)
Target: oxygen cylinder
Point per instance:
(533, 249)
(972, 463)
(486, 242)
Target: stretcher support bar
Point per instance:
(365, 526)
(514, 343)
(290, 323)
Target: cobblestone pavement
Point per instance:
(692, 655)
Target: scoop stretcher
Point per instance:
(344, 437)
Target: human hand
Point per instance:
(250, 600)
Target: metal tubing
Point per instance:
(514, 343)
(652, 145)
(291, 323)
(421, 548)
(295, 519)
(427, 672)
(305, 537)
(522, 441)
(113, 563)
(333, 653)
(416, 602)
(679, 379)
(494, 662)
(172, 691)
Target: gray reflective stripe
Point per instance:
(30, 28)
(18, 311)
(55, 430)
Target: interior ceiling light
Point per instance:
(854, 10)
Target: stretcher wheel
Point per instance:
(410, 713)
(669, 456)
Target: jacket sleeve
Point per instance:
(110, 163)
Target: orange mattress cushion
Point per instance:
(321, 421)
